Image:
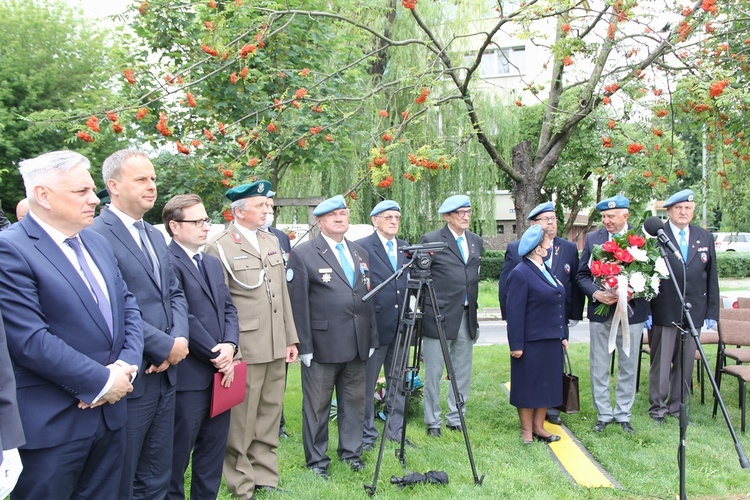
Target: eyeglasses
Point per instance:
(464, 213)
(545, 219)
(390, 218)
(198, 222)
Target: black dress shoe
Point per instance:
(658, 420)
(454, 427)
(600, 425)
(269, 489)
(547, 439)
(356, 464)
(320, 472)
(433, 431)
(627, 427)
(368, 446)
(282, 433)
(554, 419)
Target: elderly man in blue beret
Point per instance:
(615, 215)
(254, 271)
(328, 276)
(698, 277)
(386, 257)
(562, 261)
(455, 273)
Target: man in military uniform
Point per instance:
(254, 272)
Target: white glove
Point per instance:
(372, 350)
(306, 358)
(10, 469)
(572, 323)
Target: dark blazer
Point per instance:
(388, 300)
(284, 242)
(700, 276)
(586, 283)
(164, 310)
(564, 267)
(11, 431)
(58, 339)
(536, 308)
(454, 281)
(211, 315)
(332, 321)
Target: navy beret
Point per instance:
(453, 203)
(257, 188)
(530, 239)
(541, 208)
(618, 201)
(383, 206)
(329, 205)
(684, 195)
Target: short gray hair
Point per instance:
(113, 163)
(238, 204)
(36, 170)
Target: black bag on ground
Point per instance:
(430, 477)
(571, 402)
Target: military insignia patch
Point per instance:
(289, 274)
(704, 258)
(326, 278)
(566, 268)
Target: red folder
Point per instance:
(223, 398)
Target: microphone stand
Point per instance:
(744, 463)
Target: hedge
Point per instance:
(730, 265)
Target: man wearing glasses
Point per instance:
(254, 272)
(386, 257)
(455, 273)
(563, 264)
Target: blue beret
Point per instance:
(383, 206)
(329, 205)
(257, 188)
(618, 201)
(684, 195)
(270, 194)
(541, 208)
(530, 239)
(453, 203)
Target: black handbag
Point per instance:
(571, 400)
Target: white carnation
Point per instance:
(655, 283)
(661, 267)
(638, 254)
(638, 282)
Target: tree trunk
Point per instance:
(526, 193)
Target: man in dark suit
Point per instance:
(699, 282)
(11, 431)
(143, 258)
(214, 336)
(615, 220)
(455, 273)
(74, 335)
(328, 276)
(562, 261)
(386, 257)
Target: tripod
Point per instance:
(419, 286)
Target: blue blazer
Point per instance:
(211, 315)
(536, 308)
(58, 340)
(164, 310)
(586, 282)
(388, 300)
(564, 267)
(11, 429)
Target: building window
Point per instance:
(500, 229)
(514, 229)
(504, 61)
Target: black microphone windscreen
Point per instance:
(652, 225)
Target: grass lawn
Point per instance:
(644, 465)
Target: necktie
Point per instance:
(348, 271)
(683, 245)
(548, 275)
(101, 298)
(459, 242)
(199, 262)
(391, 255)
(146, 250)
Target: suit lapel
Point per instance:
(187, 263)
(452, 244)
(122, 233)
(693, 245)
(539, 273)
(332, 260)
(377, 249)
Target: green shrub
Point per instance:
(491, 267)
(731, 264)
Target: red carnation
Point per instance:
(610, 246)
(636, 241)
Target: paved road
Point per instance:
(494, 332)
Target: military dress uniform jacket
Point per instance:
(242, 265)
(332, 321)
(700, 276)
(455, 282)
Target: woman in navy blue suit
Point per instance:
(536, 328)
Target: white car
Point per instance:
(732, 242)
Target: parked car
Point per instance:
(732, 242)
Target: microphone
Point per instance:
(653, 226)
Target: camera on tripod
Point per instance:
(421, 255)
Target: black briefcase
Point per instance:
(571, 399)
